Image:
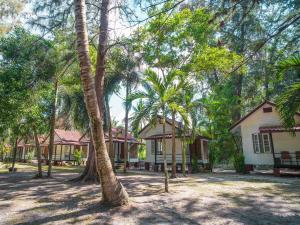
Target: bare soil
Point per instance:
(211, 198)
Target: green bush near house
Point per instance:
(30, 155)
(142, 152)
(195, 167)
(78, 157)
(239, 163)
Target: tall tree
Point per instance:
(112, 190)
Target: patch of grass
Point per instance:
(25, 167)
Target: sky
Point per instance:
(118, 27)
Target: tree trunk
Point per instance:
(39, 155)
(183, 154)
(110, 138)
(52, 126)
(113, 192)
(14, 155)
(173, 147)
(165, 156)
(90, 173)
(126, 129)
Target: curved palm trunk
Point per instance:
(52, 126)
(113, 192)
(39, 155)
(173, 147)
(14, 155)
(165, 156)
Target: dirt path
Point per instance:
(200, 199)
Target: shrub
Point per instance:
(142, 152)
(30, 155)
(239, 163)
(78, 156)
(195, 167)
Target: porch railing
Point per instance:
(287, 159)
(160, 158)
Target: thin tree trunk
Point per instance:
(38, 151)
(90, 173)
(165, 155)
(126, 129)
(110, 138)
(52, 126)
(183, 155)
(14, 155)
(113, 192)
(173, 147)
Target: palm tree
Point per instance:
(112, 190)
(157, 94)
(289, 101)
(124, 66)
(191, 105)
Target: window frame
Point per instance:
(159, 147)
(259, 143)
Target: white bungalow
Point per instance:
(154, 154)
(265, 141)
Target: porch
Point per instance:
(285, 146)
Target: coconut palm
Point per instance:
(124, 67)
(289, 101)
(157, 94)
(112, 190)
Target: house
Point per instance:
(265, 141)
(153, 136)
(118, 135)
(66, 142)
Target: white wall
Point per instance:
(158, 129)
(251, 125)
(286, 142)
(151, 157)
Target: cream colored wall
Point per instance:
(151, 157)
(286, 142)
(158, 129)
(251, 125)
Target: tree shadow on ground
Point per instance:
(57, 201)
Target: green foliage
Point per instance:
(195, 167)
(289, 101)
(30, 155)
(78, 156)
(142, 152)
(239, 163)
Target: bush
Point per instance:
(78, 156)
(142, 152)
(30, 155)
(239, 163)
(195, 168)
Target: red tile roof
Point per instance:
(278, 129)
(168, 136)
(70, 137)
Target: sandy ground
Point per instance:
(198, 199)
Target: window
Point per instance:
(267, 109)
(255, 143)
(266, 140)
(261, 143)
(152, 147)
(159, 147)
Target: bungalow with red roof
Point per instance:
(264, 141)
(66, 142)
